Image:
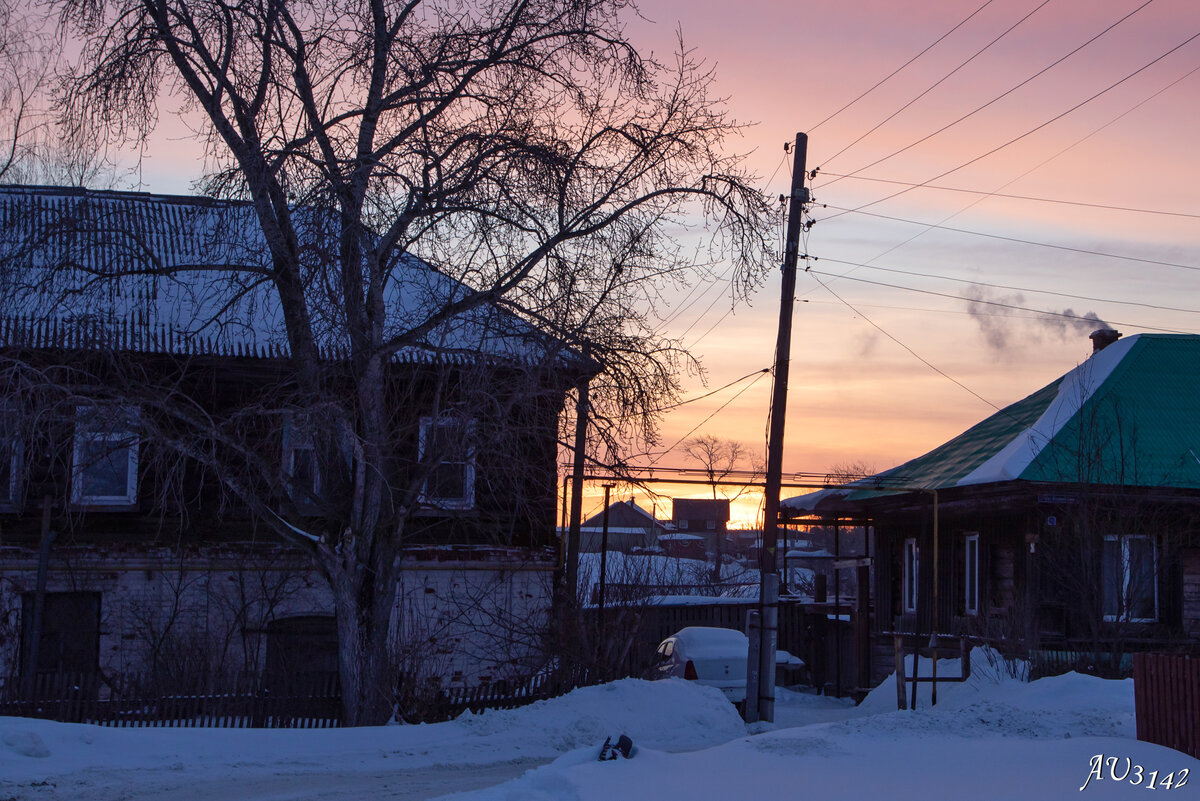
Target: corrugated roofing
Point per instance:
(1129, 415)
(188, 275)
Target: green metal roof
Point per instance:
(1129, 415)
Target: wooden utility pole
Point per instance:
(602, 641)
(768, 554)
(582, 410)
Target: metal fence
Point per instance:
(1167, 700)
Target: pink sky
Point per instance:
(857, 395)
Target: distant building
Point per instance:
(704, 517)
(629, 527)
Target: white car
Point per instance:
(711, 656)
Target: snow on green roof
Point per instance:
(1129, 415)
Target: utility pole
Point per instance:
(768, 555)
(603, 566)
(571, 568)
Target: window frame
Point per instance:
(910, 588)
(467, 500)
(971, 573)
(1123, 613)
(297, 436)
(87, 434)
(11, 438)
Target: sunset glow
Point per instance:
(1065, 162)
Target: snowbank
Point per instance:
(994, 737)
(103, 763)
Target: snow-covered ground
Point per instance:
(994, 738)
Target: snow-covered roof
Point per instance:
(1129, 415)
(627, 514)
(189, 275)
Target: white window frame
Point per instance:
(910, 587)
(467, 499)
(971, 573)
(1126, 574)
(87, 432)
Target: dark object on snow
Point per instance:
(623, 748)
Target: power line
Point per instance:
(714, 392)
(1017, 288)
(719, 409)
(928, 310)
(916, 355)
(937, 83)
(1005, 94)
(1037, 128)
(896, 71)
(1045, 161)
(1016, 240)
(997, 303)
(1020, 197)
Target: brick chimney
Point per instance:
(1103, 337)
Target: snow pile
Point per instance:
(669, 715)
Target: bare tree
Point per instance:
(525, 149)
(846, 472)
(720, 458)
(25, 72)
(33, 148)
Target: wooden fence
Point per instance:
(77, 698)
(1166, 691)
(453, 701)
(312, 704)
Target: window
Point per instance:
(1129, 570)
(301, 654)
(911, 574)
(683, 524)
(446, 447)
(711, 525)
(69, 639)
(105, 458)
(300, 460)
(971, 574)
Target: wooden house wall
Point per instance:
(181, 502)
(1001, 570)
(1024, 600)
